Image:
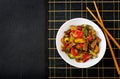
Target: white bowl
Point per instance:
(80, 21)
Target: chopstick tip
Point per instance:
(86, 7)
(94, 3)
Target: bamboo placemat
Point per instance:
(60, 11)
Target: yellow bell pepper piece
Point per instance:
(72, 27)
(79, 40)
(96, 50)
(93, 53)
(72, 39)
(66, 40)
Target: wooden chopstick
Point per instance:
(113, 55)
(99, 17)
(112, 52)
(102, 26)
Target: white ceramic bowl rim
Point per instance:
(80, 21)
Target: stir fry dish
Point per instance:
(81, 43)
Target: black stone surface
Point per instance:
(23, 39)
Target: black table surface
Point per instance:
(23, 39)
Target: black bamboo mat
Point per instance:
(60, 11)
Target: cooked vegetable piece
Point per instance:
(79, 28)
(85, 32)
(93, 32)
(79, 57)
(80, 40)
(73, 52)
(66, 40)
(79, 60)
(77, 34)
(62, 40)
(72, 27)
(71, 39)
(96, 50)
(90, 28)
(89, 37)
(92, 53)
(63, 47)
(81, 49)
(71, 56)
(86, 57)
(67, 50)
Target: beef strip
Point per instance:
(98, 39)
(93, 43)
(85, 46)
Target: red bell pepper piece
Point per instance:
(73, 52)
(79, 28)
(77, 34)
(86, 57)
(66, 45)
(89, 37)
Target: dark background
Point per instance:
(22, 39)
